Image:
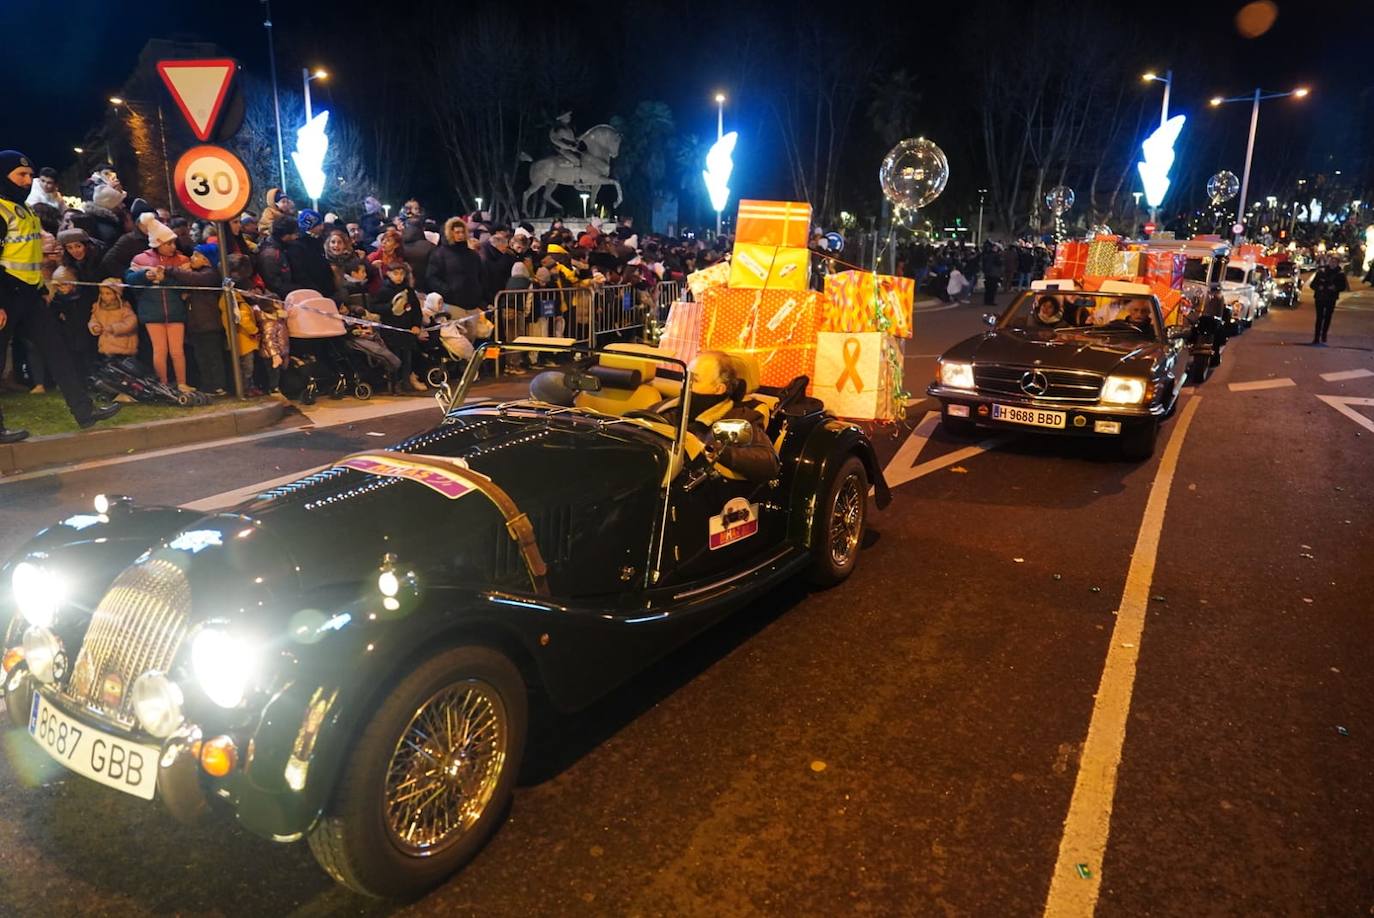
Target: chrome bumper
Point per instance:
(1126, 413)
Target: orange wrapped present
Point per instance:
(775, 267)
(1070, 260)
(1169, 300)
(773, 223)
(777, 326)
(860, 301)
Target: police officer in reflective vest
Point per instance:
(22, 309)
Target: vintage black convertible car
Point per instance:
(350, 658)
(1099, 364)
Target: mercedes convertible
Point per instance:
(350, 658)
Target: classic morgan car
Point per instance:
(351, 658)
(1098, 364)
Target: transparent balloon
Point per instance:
(913, 173)
(1059, 199)
(1099, 229)
(1222, 186)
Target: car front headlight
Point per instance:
(157, 704)
(43, 653)
(223, 664)
(38, 592)
(956, 375)
(1124, 390)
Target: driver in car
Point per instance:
(1139, 314)
(714, 380)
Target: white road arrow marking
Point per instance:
(903, 468)
(1342, 404)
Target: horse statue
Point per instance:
(599, 145)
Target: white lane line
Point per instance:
(1088, 822)
(902, 468)
(237, 495)
(1346, 374)
(1281, 383)
(1342, 404)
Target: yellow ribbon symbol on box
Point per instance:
(850, 373)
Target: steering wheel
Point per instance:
(643, 414)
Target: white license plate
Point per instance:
(1031, 416)
(109, 760)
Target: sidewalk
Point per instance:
(226, 421)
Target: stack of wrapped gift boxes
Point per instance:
(1091, 263)
(847, 339)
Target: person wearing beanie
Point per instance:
(107, 221)
(205, 327)
(22, 310)
(162, 311)
(278, 205)
(273, 264)
(120, 255)
(306, 254)
(82, 255)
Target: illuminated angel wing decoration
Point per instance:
(1159, 159)
(719, 165)
(311, 146)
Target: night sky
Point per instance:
(67, 58)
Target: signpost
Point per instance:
(211, 182)
(1149, 229)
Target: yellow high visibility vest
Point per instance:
(22, 254)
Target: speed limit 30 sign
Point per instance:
(212, 182)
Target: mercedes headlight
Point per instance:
(38, 592)
(956, 375)
(1124, 390)
(223, 665)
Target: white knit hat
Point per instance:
(158, 233)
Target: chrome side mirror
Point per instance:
(989, 320)
(732, 431)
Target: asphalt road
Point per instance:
(912, 741)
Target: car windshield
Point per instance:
(1196, 269)
(1068, 314)
(1285, 269)
(580, 377)
(1236, 274)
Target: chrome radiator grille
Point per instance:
(137, 627)
(1063, 385)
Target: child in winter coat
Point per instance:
(262, 325)
(70, 304)
(113, 321)
(399, 307)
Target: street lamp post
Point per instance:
(720, 132)
(1254, 100)
(117, 102)
(584, 196)
(982, 196)
(276, 100)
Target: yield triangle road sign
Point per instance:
(199, 88)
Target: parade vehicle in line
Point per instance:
(1241, 288)
(1071, 362)
(351, 658)
(1287, 284)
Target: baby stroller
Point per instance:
(126, 376)
(449, 346)
(324, 355)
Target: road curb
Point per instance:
(105, 442)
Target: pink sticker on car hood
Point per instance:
(448, 484)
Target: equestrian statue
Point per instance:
(582, 162)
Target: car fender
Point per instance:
(308, 725)
(828, 445)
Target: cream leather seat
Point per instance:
(617, 399)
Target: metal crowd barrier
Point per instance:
(587, 315)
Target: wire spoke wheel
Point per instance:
(846, 520)
(445, 767)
